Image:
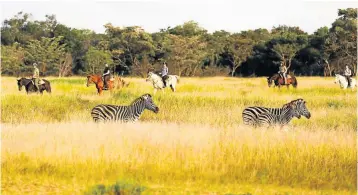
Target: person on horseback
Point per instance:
(283, 72)
(348, 74)
(106, 76)
(36, 77)
(165, 73)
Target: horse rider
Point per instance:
(36, 77)
(106, 75)
(283, 72)
(348, 74)
(165, 73)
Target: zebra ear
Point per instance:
(292, 105)
(145, 97)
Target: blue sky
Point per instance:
(233, 16)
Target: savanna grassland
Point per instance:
(196, 144)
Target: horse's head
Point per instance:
(149, 104)
(149, 77)
(19, 84)
(269, 81)
(336, 79)
(91, 79)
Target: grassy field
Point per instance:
(196, 144)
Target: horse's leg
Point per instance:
(171, 87)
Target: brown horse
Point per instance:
(97, 80)
(279, 81)
(113, 83)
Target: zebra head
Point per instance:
(292, 107)
(301, 108)
(149, 104)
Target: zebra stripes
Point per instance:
(131, 113)
(261, 116)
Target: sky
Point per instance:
(153, 15)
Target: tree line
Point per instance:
(188, 49)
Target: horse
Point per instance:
(98, 81)
(278, 80)
(157, 81)
(120, 83)
(344, 83)
(30, 86)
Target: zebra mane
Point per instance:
(140, 98)
(293, 102)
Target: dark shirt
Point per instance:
(106, 70)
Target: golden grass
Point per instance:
(195, 145)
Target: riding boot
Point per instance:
(349, 82)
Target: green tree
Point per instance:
(95, 60)
(48, 52)
(129, 44)
(188, 29)
(342, 39)
(12, 59)
(239, 49)
(186, 54)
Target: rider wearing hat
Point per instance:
(36, 76)
(106, 75)
(165, 73)
(283, 72)
(348, 74)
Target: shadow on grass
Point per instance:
(119, 188)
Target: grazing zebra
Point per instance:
(261, 116)
(131, 113)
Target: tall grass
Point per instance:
(196, 144)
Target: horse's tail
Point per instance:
(178, 77)
(294, 82)
(48, 86)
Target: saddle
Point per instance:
(41, 82)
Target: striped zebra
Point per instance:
(261, 116)
(131, 113)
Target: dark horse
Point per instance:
(279, 81)
(30, 86)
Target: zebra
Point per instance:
(131, 113)
(261, 116)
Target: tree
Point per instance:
(342, 39)
(95, 59)
(12, 59)
(239, 49)
(65, 65)
(185, 54)
(47, 52)
(129, 44)
(287, 52)
(188, 29)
